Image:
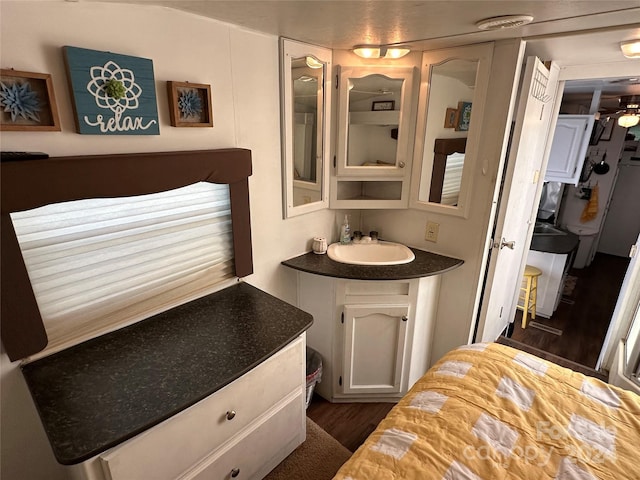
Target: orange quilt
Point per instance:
(490, 412)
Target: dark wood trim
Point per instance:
(443, 147)
(34, 183)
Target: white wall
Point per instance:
(242, 69)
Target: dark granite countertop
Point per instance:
(555, 243)
(424, 265)
(99, 393)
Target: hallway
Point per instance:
(583, 315)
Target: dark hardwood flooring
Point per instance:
(583, 316)
(349, 423)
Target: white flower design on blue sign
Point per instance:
(110, 72)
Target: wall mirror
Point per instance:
(452, 96)
(374, 112)
(305, 104)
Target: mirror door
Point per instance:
(374, 114)
(305, 103)
(452, 96)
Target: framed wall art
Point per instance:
(450, 118)
(464, 116)
(189, 104)
(383, 105)
(27, 102)
(112, 94)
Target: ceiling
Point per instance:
(424, 25)
(341, 24)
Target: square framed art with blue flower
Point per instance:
(113, 94)
(190, 104)
(27, 102)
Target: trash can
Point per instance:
(314, 372)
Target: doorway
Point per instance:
(578, 327)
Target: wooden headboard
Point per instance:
(34, 183)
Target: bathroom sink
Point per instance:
(374, 253)
(547, 229)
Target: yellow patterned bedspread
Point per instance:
(490, 412)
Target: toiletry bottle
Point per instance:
(345, 231)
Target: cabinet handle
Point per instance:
(401, 164)
(235, 472)
(404, 318)
(231, 414)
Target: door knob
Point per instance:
(503, 243)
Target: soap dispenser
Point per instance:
(345, 231)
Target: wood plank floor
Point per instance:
(349, 423)
(583, 317)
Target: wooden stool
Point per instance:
(528, 293)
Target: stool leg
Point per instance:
(534, 296)
(525, 311)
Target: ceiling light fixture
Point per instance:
(628, 120)
(380, 51)
(631, 48)
(313, 62)
(631, 105)
(506, 21)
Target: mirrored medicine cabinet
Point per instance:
(452, 96)
(374, 108)
(305, 97)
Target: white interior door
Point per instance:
(622, 318)
(528, 154)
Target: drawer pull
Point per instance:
(230, 416)
(235, 472)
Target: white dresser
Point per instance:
(242, 431)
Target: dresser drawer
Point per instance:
(260, 449)
(175, 445)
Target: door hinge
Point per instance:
(634, 250)
(342, 317)
(340, 380)
(337, 81)
(334, 162)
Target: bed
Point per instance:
(488, 411)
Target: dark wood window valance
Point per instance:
(30, 184)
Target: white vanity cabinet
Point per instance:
(374, 146)
(374, 336)
(551, 283)
(569, 148)
(242, 431)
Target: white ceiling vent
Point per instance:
(506, 21)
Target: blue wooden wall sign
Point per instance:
(112, 94)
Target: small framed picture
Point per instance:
(608, 124)
(450, 118)
(27, 102)
(464, 116)
(383, 105)
(190, 104)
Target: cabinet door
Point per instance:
(375, 343)
(375, 110)
(569, 147)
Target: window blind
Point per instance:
(98, 264)
(452, 179)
